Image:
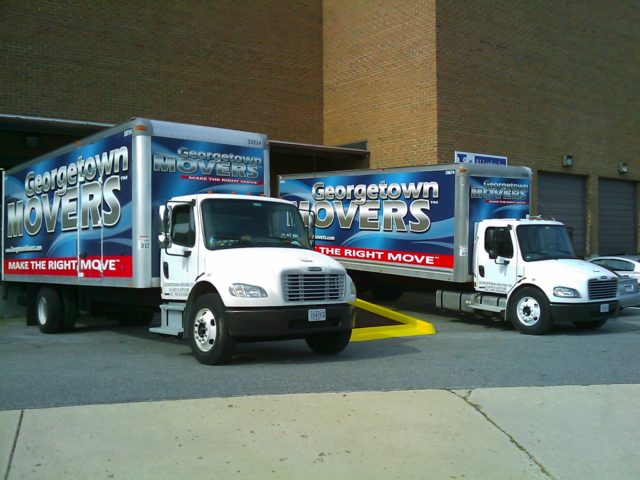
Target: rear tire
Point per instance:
(529, 312)
(209, 337)
(49, 310)
(590, 325)
(329, 343)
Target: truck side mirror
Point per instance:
(311, 228)
(164, 237)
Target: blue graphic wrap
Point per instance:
(187, 167)
(87, 190)
(387, 211)
(496, 197)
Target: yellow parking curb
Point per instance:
(410, 326)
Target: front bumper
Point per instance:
(287, 322)
(583, 312)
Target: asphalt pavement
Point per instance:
(516, 432)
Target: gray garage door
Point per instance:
(617, 217)
(562, 197)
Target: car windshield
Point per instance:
(544, 242)
(241, 223)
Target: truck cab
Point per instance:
(528, 270)
(240, 267)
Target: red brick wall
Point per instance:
(252, 64)
(536, 80)
(380, 78)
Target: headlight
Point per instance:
(566, 292)
(629, 288)
(247, 291)
(352, 286)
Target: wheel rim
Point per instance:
(42, 311)
(204, 330)
(529, 311)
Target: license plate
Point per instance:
(604, 308)
(317, 315)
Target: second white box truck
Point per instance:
(464, 230)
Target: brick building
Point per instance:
(413, 81)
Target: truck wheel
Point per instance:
(590, 325)
(329, 343)
(209, 337)
(529, 312)
(48, 310)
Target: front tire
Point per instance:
(209, 337)
(529, 311)
(329, 343)
(49, 310)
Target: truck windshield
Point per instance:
(231, 223)
(544, 242)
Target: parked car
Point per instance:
(628, 292)
(628, 265)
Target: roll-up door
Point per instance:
(617, 215)
(562, 197)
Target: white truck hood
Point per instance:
(570, 273)
(263, 267)
(567, 270)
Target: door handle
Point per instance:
(165, 269)
(481, 270)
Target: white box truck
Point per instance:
(462, 229)
(152, 214)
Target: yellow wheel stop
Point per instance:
(409, 326)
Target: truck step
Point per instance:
(170, 319)
(485, 307)
(166, 331)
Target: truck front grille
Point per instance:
(601, 289)
(313, 287)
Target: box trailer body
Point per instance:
(446, 225)
(83, 220)
(414, 221)
(84, 214)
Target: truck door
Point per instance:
(179, 262)
(496, 264)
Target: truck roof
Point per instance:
(229, 196)
(522, 221)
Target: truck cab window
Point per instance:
(230, 223)
(182, 226)
(497, 242)
(544, 242)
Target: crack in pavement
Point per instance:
(13, 447)
(466, 397)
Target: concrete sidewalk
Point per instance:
(516, 433)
